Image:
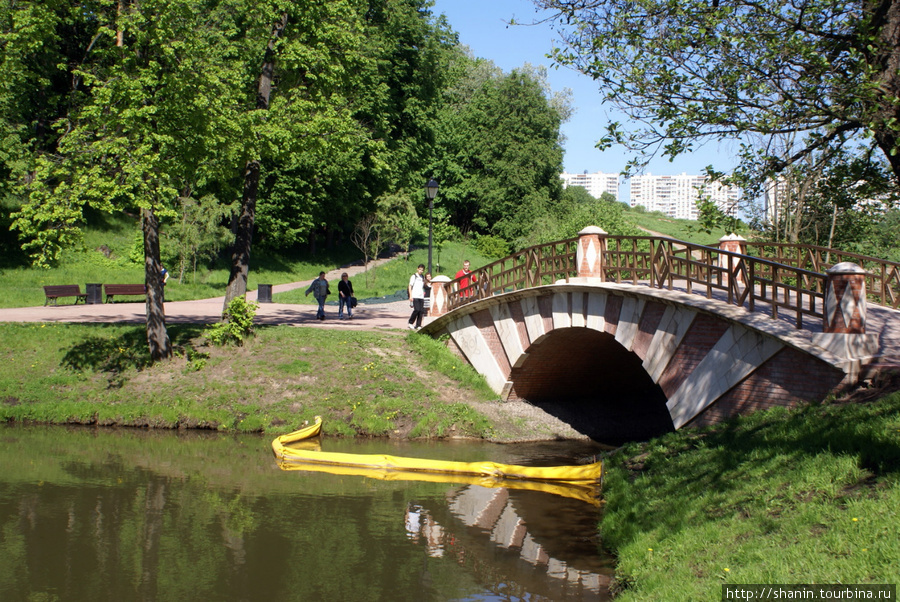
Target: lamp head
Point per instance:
(431, 188)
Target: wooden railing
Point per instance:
(779, 276)
(739, 279)
(534, 266)
(882, 276)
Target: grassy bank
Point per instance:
(362, 383)
(808, 496)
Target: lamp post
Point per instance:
(431, 189)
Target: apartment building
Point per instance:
(676, 196)
(595, 183)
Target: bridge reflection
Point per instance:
(551, 554)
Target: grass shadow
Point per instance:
(128, 350)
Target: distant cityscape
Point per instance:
(675, 196)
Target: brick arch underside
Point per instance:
(591, 381)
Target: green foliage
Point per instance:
(492, 247)
(499, 150)
(196, 233)
(397, 220)
(797, 77)
(236, 325)
(710, 217)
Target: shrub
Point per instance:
(236, 324)
(492, 247)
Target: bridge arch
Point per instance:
(694, 361)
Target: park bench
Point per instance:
(112, 290)
(54, 292)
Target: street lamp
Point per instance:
(431, 189)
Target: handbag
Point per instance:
(352, 301)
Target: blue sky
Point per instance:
(482, 25)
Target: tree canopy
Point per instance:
(694, 70)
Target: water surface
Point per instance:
(123, 514)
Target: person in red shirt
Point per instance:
(464, 274)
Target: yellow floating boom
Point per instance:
(587, 475)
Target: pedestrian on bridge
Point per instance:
(465, 274)
(416, 292)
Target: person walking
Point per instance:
(319, 289)
(416, 291)
(345, 293)
(464, 275)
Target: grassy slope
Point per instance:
(369, 383)
(20, 285)
(682, 229)
(804, 496)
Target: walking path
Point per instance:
(209, 311)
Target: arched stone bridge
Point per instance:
(629, 360)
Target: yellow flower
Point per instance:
(727, 569)
(855, 519)
(649, 549)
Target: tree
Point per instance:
(397, 220)
(500, 152)
(367, 238)
(695, 70)
(196, 232)
(144, 129)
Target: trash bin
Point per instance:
(264, 293)
(94, 293)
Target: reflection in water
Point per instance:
(135, 515)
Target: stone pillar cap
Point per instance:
(732, 236)
(592, 230)
(441, 278)
(845, 267)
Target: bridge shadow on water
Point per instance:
(590, 381)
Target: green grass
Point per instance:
(388, 278)
(106, 257)
(804, 496)
(682, 229)
(363, 383)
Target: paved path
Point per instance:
(208, 311)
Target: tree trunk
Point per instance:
(157, 337)
(240, 255)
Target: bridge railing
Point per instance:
(738, 279)
(882, 276)
(535, 266)
(785, 282)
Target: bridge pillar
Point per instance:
(845, 299)
(439, 300)
(591, 249)
(733, 243)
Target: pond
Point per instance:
(124, 514)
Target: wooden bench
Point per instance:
(123, 289)
(54, 292)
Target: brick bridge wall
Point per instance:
(578, 342)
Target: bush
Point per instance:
(492, 247)
(236, 324)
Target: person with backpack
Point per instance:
(416, 292)
(319, 289)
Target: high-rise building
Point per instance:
(595, 183)
(676, 196)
